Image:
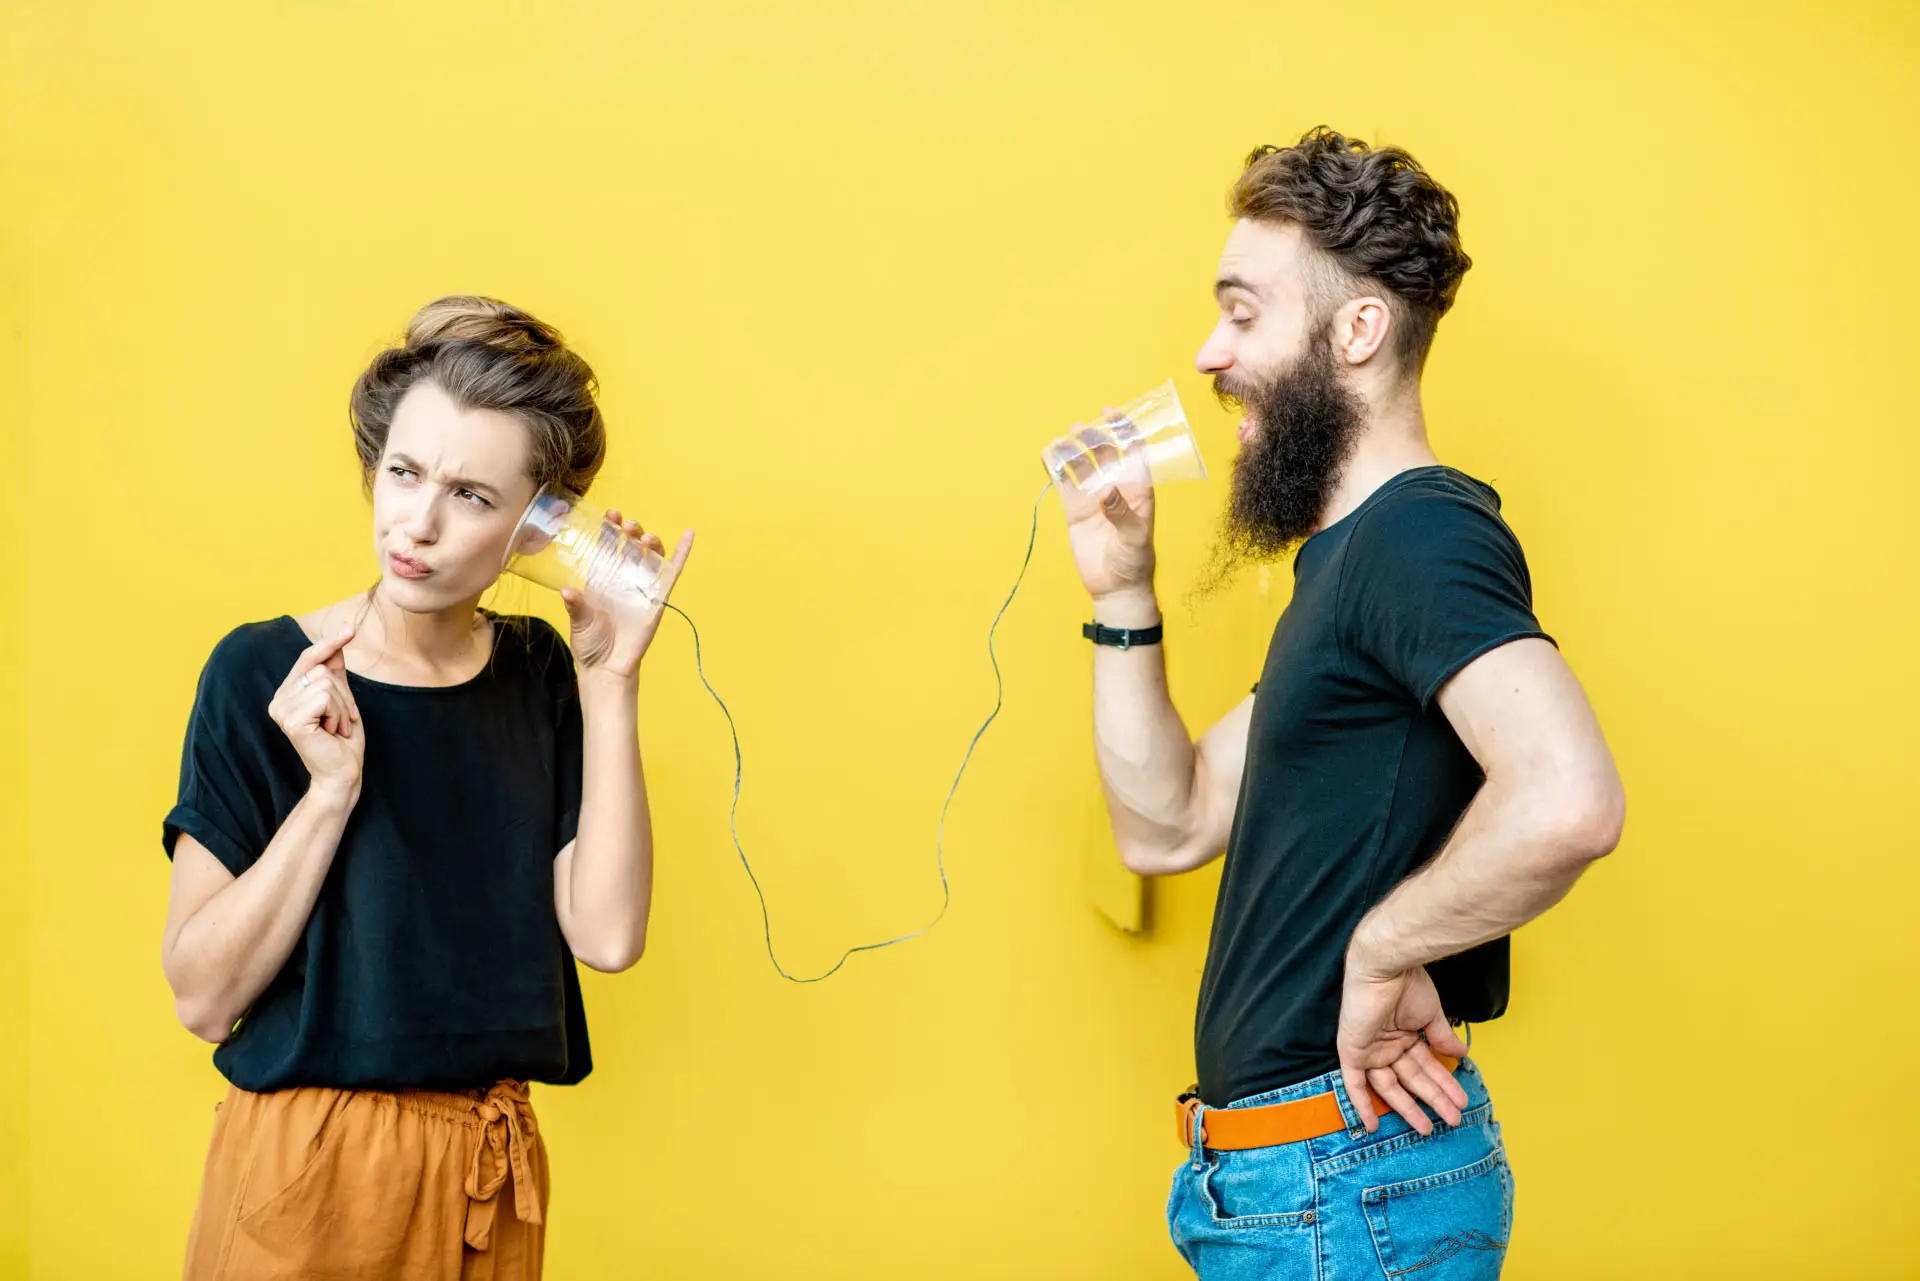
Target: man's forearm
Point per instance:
(1145, 753)
(1516, 853)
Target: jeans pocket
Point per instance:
(1451, 1226)
(1176, 1229)
(1261, 1188)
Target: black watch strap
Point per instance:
(1121, 637)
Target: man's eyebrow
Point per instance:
(1225, 283)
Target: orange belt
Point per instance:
(1236, 1129)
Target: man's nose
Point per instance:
(1213, 357)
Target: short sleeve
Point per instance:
(1434, 579)
(229, 800)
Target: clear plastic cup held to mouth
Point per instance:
(565, 541)
(1145, 441)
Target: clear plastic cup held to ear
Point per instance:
(1144, 441)
(564, 541)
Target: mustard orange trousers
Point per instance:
(315, 1183)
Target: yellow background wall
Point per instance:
(843, 267)
(13, 731)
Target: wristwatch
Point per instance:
(1121, 637)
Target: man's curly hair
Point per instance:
(1376, 216)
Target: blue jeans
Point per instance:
(1351, 1205)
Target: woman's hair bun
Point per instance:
(472, 318)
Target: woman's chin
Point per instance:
(421, 595)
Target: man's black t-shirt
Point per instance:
(433, 958)
(1354, 777)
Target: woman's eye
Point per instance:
(399, 471)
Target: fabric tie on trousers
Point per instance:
(506, 1126)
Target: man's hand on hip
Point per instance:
(1390, 1029)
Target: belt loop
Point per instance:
(1197, 1123)
(1356, 1129)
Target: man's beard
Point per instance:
(1307, 426)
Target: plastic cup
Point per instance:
(564, 541)
(1145, 441)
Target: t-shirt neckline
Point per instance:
(355, 678)
(1391, 483)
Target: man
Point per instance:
(1417, 773)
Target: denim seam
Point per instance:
(1322, 1265)
(1348, 1160)
(1506, 1193)
(1488, 1164)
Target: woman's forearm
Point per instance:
(222, 956)
(607, 880)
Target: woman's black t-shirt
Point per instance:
(433, 958)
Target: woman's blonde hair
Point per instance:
(485, 354)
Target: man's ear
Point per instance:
(1360, 329)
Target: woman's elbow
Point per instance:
(202, 1018)
(197, 1011)
(611, 955)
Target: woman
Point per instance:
(401, 819)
